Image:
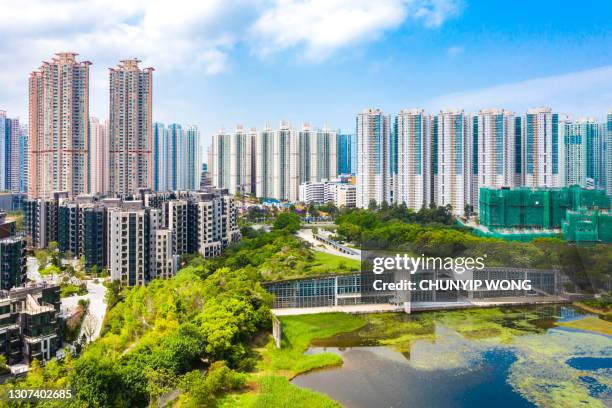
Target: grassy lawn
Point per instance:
(591, 324)
(596, 307)
(298, 332)
(278, 392)
(69, 289)
(270, 382)
(326, 263)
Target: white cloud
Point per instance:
(582, 93)
(168, 35)
(182, 35)
(435, 12)
(323, 26)
(455, 51)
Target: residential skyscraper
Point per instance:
(191, 158)
(272, 163)
(347, 153)
(24, 159)
(374, 158)
(607, 155)
(574, 154)
(232, 160)
(130, 128)
(317, 154)
(540, 145)
(99, 156)
(493, 151)
(160, 157)
(219, 160)
(582, 153)
(174, 159)
(518, 150)
(10, 154)
(58, 124)
(241, 179)
(449, 164)
(595, 147)
(305, 138)
(264, 156)
(285, 171)
(413, 180)
(3, 150)
(13, 136)
(324, 155)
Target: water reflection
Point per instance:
(516, 358)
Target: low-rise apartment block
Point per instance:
(29, 323)
(138, 239)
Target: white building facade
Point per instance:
(412, 182)
(449, 155)
(374, 158)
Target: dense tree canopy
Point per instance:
(432, 232)
(155, 335)
(287, 221)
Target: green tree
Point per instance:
(202, 391)
(54, 254)
(312, 209)
(253, 213)
(96, 382)
(42, 257)
(113, 290)
(3, 366)
(178, 351)
(83, 304)
(287, 221)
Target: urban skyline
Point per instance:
(577, 155)
(462, 54)
(416, 158)
(462, 148)
(196, 194)
(64, 149)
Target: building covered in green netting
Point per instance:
(588, 226)
(536, 208)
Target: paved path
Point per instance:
(97, 305)
(421, 306)
(32, 268)
(385, 307)
(306, 235)
(95, 295)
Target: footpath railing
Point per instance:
(336, 245)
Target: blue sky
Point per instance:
(220, 63)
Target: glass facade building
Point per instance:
(353, 289)
(347, 153)
(160, 157)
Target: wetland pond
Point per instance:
(507, 357)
